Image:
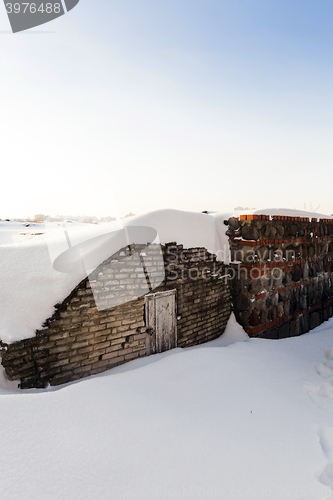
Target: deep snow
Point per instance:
(246, 420)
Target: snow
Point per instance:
(277, 211)
(233, 332)
(41, 263)
(30, 287)
(189, 229)
(247, 420)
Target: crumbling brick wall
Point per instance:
(80, 340)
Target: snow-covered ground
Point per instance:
(251, 419)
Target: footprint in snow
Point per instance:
(328, 353)
(324, 370)
(326, 442)
(322, 396)
(325, 435)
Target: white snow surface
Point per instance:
(250, 420)
(31, 286)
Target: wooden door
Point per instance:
(161, 321)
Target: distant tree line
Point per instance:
(88, 219)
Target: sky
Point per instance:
(120, 107)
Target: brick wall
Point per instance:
(282, 281)
(81, 339)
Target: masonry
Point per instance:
(279, 284)
(282, 273)
(91, 332)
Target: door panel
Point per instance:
(151, 325)
(161, 321)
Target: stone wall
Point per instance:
(81, 339)
(282, 273)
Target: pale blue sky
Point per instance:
(195, 105)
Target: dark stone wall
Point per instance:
(282, 274)
(80, 340)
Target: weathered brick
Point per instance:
(141, 337)
(70, 366)
(108, 319)
(64, 341)
(99, 352)
(114, 324)
(97, 328)
(100, 370)
(55, 350)
(58, 336)
(84, 336)
(78, 357)
(126, 321)
(123, 328)
(77, 345)
(82, 370)
(118, 341)
(102, 345)
(113, 348)
(100, 364)
(130, 356)
(57, 364)
(97, 340)
(61, 379)
(110, 355)
(89, 361)
(83, 350)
